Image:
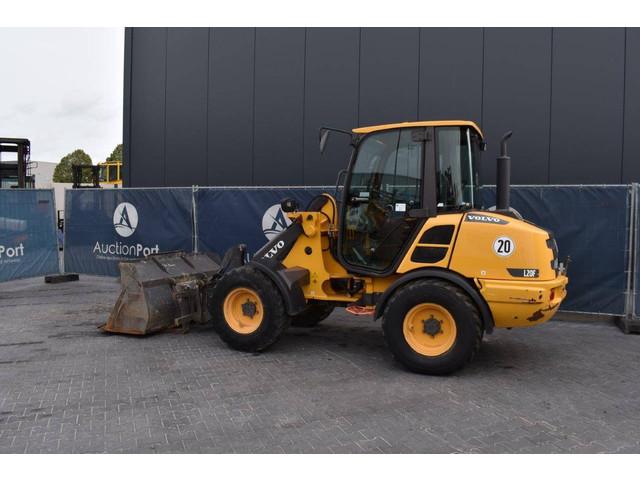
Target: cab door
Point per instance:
(385, 184)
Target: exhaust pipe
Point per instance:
(503, 175)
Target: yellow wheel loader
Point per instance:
(407, 242)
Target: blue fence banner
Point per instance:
(591, 225)
(106, 226)
(28, 242)
(227, 217)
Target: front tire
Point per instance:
(247, 310)
(432, 326)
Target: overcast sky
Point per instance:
(62, 89)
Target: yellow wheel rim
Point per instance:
(243, 310)
(429, 329)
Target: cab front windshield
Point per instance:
(386, 184)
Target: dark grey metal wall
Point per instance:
(242, 106)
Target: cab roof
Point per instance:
(427, 123)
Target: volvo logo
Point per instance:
(274, 221)
(125, 219)
(472, 217)
(273, 250)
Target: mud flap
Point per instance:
(289, 282)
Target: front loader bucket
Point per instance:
(162, 291)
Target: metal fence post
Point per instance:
(630, 323)
(194, 210)
(64, 230)
(55, 230)
(634, 325)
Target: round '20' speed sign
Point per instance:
(504, 246)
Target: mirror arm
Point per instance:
(324, 131)
(338, 130)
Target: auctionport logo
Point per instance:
(125, 219)
(274, 221)
(125, 222)
(11, 254)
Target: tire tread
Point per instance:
(278, 319)
(461, 295)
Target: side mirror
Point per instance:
(324, 135)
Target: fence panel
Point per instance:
(28, 241)
(591, 225)
(105, 227)
(227, 217)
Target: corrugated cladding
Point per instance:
(242, 106)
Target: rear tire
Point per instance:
(432, 327)
(312, 315)
(247, 310)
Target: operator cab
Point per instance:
(399, 176)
